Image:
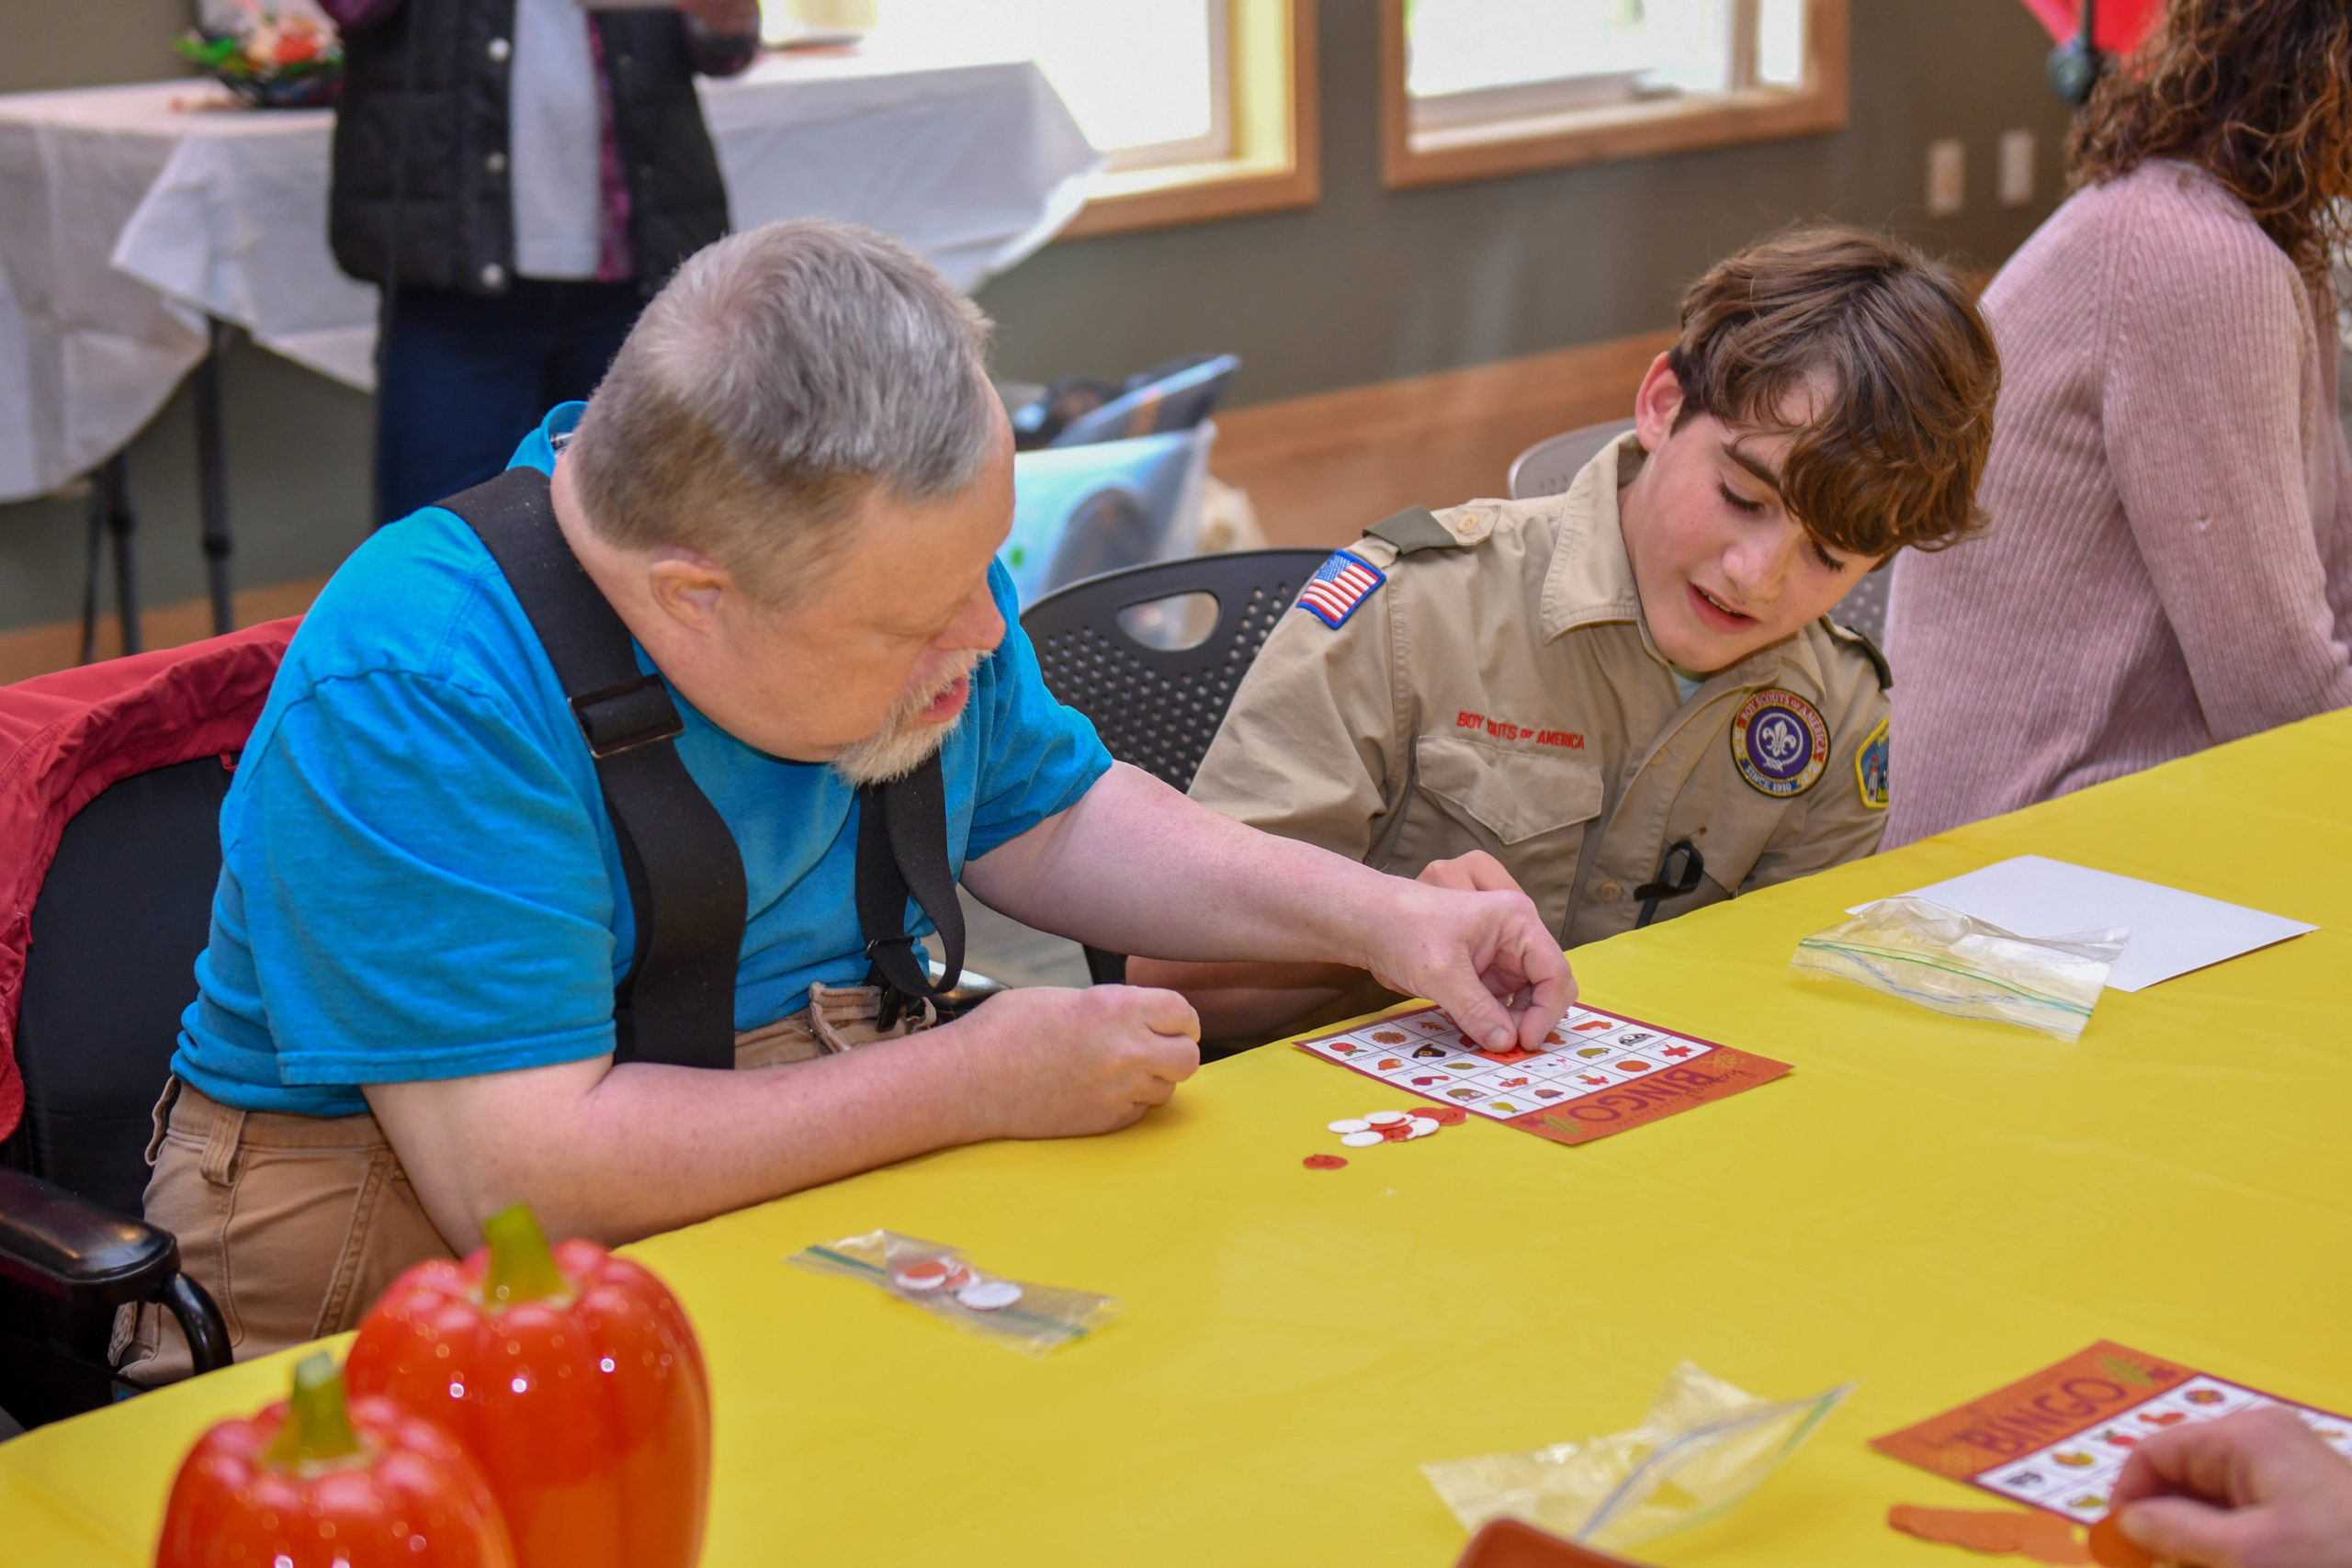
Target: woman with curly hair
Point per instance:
(2166, 559)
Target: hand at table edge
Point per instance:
(2257, 1489)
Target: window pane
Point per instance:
(1135, 72)
(1459, 46)
(1780, 43)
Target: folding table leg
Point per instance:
(212, 477)
(95, 511)
(114, 482)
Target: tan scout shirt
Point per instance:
(1501, 692)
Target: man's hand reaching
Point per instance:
(1484, 956)
(2253, 1490)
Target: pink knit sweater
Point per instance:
(2169, 559)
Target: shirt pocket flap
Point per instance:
(1515, 795)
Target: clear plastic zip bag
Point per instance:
(1703, 1447)
(1966, 967)
(943, 1283)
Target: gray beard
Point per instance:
(904, 743)
(895, 752)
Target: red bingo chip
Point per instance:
(1447, 1115)
(1324, 1162)
(930, 1274)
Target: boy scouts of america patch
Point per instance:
(1870, 768)
(1338, 586)
(1780, 743)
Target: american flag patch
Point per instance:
(1338, 586)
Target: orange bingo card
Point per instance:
(1598, 1073)
(2058, 1439)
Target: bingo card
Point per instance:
(1598, 1073)
(2058, 1439)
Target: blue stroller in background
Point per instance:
(1111, 476)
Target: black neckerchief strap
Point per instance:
(903, 849)
(676, 1004)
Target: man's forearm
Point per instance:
(1138, 867)
(616, 1152)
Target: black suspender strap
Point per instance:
(676, 1005)
(903, 849)
(1694, 866)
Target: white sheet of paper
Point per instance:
(2172, 931)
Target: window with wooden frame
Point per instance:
(1474, 88)
(1202, 109)
(1258, 149)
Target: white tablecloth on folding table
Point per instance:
(126, 215)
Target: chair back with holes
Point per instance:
(1864, 607)
(1158, 708)
(1552, 465)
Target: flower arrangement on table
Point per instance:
(274, 61)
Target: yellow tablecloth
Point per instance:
(1931, 1207)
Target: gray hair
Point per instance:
(782, 374)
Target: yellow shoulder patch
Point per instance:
(1870, 769)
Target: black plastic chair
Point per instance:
(1158, 707)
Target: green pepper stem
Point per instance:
(317, 1426)
(522, 1266)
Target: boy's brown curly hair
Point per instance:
(1887, 348)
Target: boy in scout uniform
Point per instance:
(1627, 700)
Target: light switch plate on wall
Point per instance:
(2016, 168)
(1947, 177)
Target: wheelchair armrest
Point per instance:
(93, 1260)
(969, 992)
(64, 1246)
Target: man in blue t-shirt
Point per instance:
(790, 487)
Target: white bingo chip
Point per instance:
(1384, 1118)
(988, 1295)
(1421, 1126)
(1362, 1140)
(1350, 1124)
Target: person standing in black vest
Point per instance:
(518, 176)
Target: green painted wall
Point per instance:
(1370, 284)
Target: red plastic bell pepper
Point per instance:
(573, 1378)
(311, 1484)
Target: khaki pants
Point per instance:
(296, 1223)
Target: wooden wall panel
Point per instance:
(36, 650)
(1322, 469)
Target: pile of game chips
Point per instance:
(968, 1285)
(1386, 1127)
